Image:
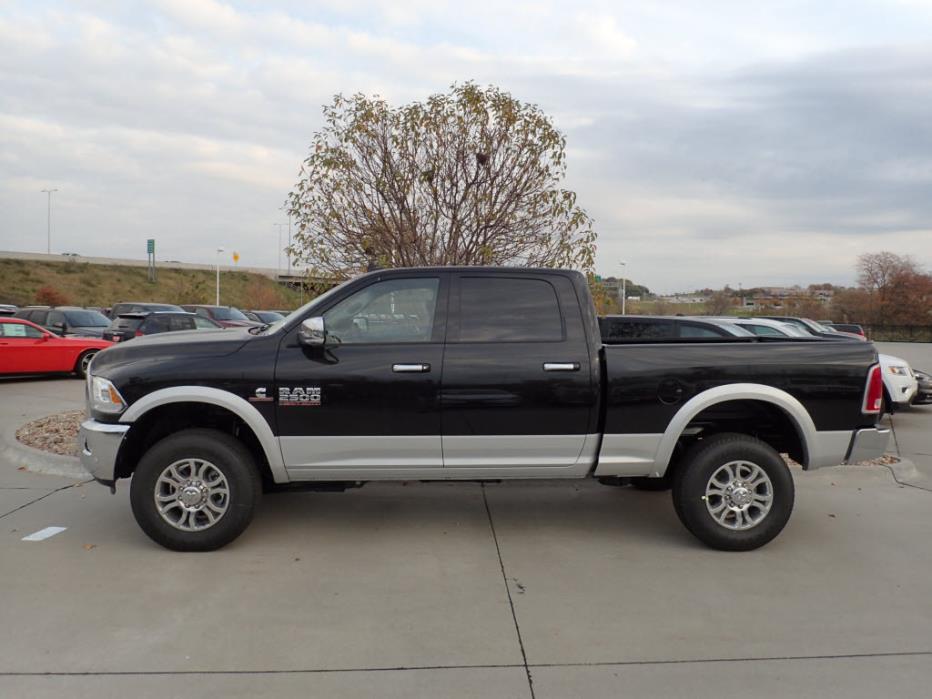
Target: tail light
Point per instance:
(873, 393)
(139, 333)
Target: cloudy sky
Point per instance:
(714, 142)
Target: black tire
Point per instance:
(227, 456)
(706, 459)
(80, 366)
(652, 484)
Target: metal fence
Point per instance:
(899, 333)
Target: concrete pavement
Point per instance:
(463, 590)
(914, 425)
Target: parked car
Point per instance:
(765, 327)
(899, 384)
(847, 328)
(923, 387)
(129, 325)
(67, 321)
(816, 329)
(7, 309)
(465, 373)
(27, 348)
(141, 307)
(264, 317)
(227, 316)
(638, 328)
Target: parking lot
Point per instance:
(460, 590)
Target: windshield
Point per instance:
(221, 313)
(818, 327)
(268, 316)
(86, 319)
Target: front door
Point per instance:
(517, 386)
(368, 399)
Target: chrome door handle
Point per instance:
(410, 368)
(561, 366)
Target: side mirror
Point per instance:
(312, 332)
(46, 337)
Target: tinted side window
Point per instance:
(56, 318)
(38, 317)
(157, 324)
(636, 329)
(181, 323)
(691, 330)
(508, 310)
(763, 330)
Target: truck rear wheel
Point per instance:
(734, 492)
(195, 490)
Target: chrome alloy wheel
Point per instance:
(192, 495)
(86, 362)
(739, 495)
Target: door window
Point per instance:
(182, 323)
(618, 329)
(396, 310)
(38, 317)
(508, 310)
(691, 330)
(19, 330)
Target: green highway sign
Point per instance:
(150, 246)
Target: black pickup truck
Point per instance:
(469, 374)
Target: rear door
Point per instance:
(370, 398)
(517, 386)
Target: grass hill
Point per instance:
(25, 282)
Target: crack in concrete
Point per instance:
(42, 497)
(511, 603)
(488, 666)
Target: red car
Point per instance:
(25, 348)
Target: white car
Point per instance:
(765, 327)
(899, 383)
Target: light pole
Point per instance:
(624, 294)
(48, 248)
(287, 211)
(219, 250)
(279, 268)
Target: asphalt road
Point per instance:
(462, 590)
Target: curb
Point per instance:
(38, 461)
(906, 473)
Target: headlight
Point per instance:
(899, 370)
(105, 398)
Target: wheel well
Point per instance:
(761, 419)
(81, 355)
(158, 423)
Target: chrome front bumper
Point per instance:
(100, 443)
(868, 444)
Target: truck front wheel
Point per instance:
(195, 490)
(734, 492)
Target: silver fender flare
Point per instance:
(214, 396)
(795, 410)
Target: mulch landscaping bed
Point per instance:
(56, 433)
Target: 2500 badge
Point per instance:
(298, 396)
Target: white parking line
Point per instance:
(44, 533)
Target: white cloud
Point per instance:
(708, 140)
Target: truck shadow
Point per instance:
(540, 511)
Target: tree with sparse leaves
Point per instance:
(468, 177)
